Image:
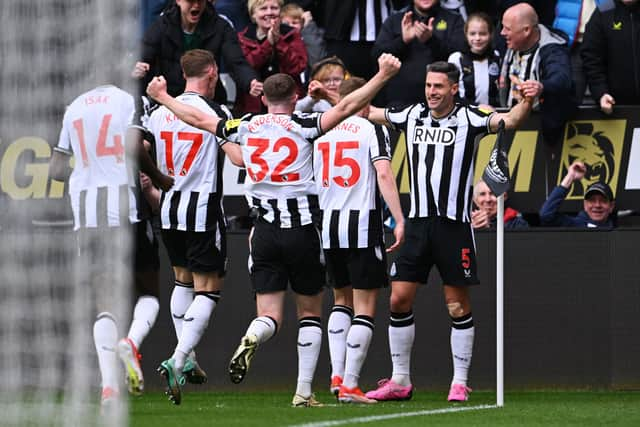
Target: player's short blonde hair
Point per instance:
(252, 4)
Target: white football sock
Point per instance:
(358, 342)
(263, 328)
(181, 299)
(461, 351)
(309, 342)
(195, 322)
(145, 314)
(401, 339)
(337, 329)
(105, 337)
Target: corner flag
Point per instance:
(496, 173)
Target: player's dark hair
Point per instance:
(348, 86)
(196, 62)
(279, 88)
(452, 72)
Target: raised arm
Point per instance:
(514, 117)
(376, 115)
(157, 89)
(388, 66)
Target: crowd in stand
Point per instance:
(575, 51)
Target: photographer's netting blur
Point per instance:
(52, 51)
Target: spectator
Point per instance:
(312, 35)
(487, 210)
(190, 25)
(539, 57)
(598, 203)
(351, 27)
(479, 64)
(611, 54)
(544, 8)
(419, 35)
(270, 48)
(571, 18)
(322, 94)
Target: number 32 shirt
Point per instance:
(101, 189)
(277, 150)
(191, 156)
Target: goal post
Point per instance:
(51, 51)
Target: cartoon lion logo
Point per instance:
(595, 150)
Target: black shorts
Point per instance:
(146, 248)
(278, 256)
(198, 252)
(362, 268)
(439, 241)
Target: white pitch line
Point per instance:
(373, 418)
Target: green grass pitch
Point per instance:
(264, 409)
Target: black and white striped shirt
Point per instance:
(277, 150)
(101, 188)
(440, 153)
(347, 183)
(370, 14)
(191, 156)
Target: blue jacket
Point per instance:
(568, 16)
(549, 214)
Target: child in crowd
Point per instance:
(312, 35)
(322, 94)
(479, 64)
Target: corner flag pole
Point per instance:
(496, 176)
(500, 303)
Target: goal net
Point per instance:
(51, 51)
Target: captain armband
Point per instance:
(227, 127)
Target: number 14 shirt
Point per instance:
(101, 188)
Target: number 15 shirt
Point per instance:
(347, 181)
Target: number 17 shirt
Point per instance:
(191, 156)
